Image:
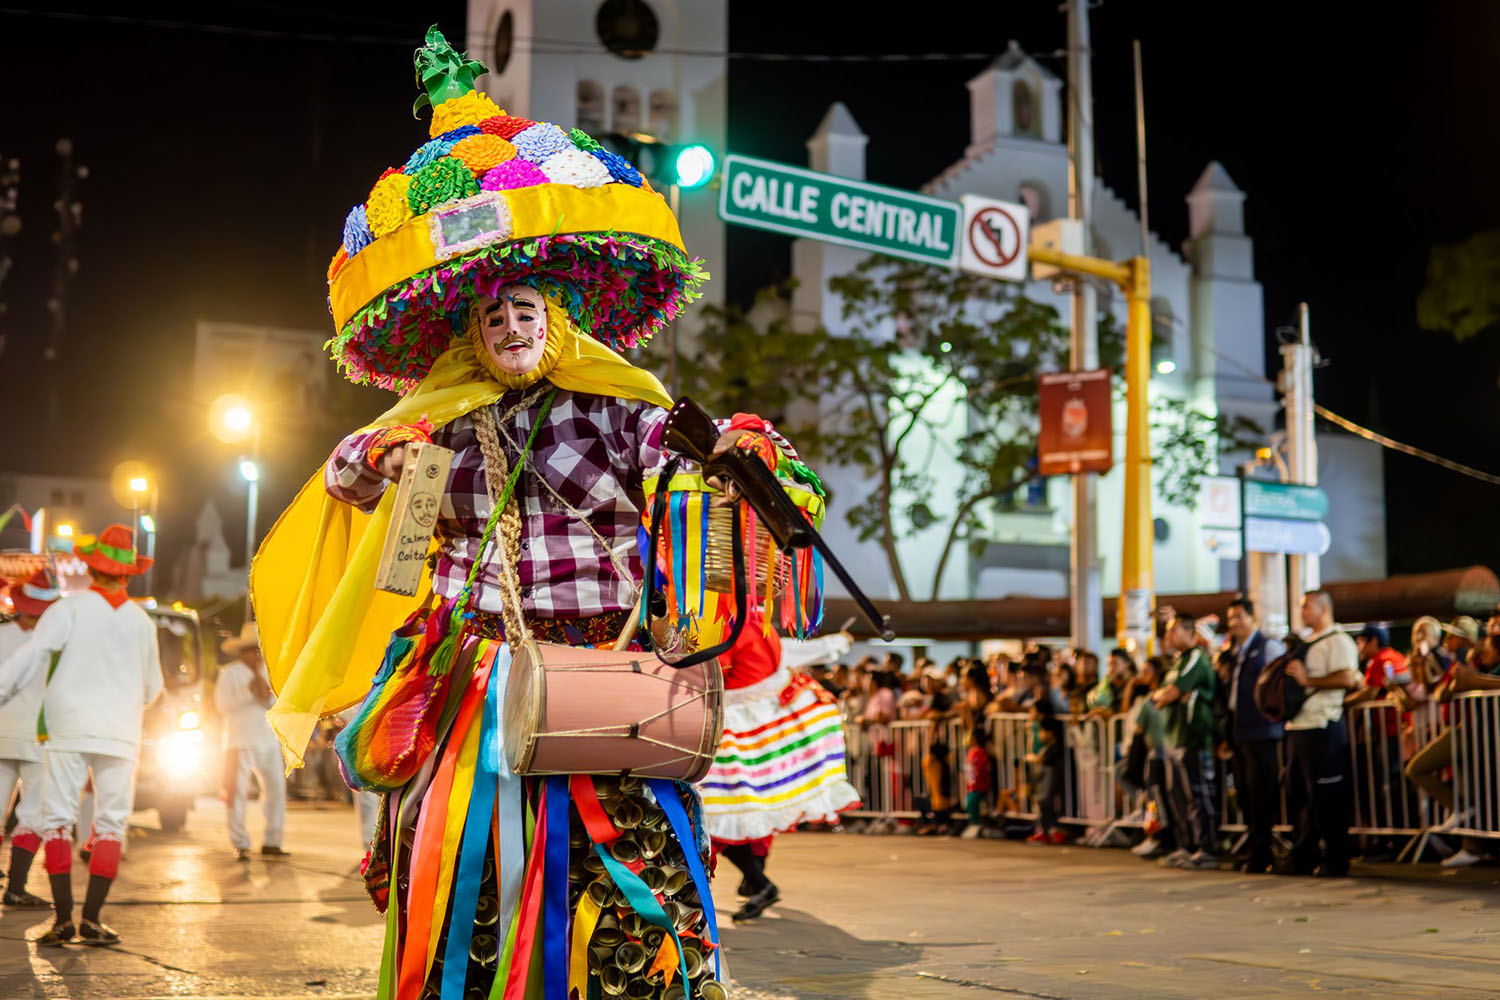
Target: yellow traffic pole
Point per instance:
(1137, 604)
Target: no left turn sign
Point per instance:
(995, 235)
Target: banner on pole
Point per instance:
(1075, 411)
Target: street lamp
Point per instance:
(140, 487)
(250, 473)
(231, 418)
(64, 530)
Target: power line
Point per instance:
(537, 45)
(1370, 435)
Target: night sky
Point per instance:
(222, 164)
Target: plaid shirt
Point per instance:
(593, 450)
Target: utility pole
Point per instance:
(1084, 593)
(1302, 449)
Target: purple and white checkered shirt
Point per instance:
(595, 451)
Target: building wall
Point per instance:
(557, 50)
(1208, 315)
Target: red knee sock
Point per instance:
(26, 842)
(59, 856)
(105, 858)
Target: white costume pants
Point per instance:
(114, 793)
(28, 774)
(266, 764)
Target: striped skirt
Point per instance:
(780, 763)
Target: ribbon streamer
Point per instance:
(666, 797)
(555, 888)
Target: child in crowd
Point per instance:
(937, 807)
(1046, 765)
(977, 780)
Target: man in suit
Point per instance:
(1255, 738)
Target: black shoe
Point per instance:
(57, 935)
(1290, 867)
(24, 901)
(757, 904)
(90, 932)
(242, 854)
(274, 852)
(1330, 869)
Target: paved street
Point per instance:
(863, 917)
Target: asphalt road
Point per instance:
(883, 918)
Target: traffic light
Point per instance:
(685, 164)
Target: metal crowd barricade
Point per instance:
(1382, 739)
(893, 785)
(1476, 763)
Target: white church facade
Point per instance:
(1206, 304)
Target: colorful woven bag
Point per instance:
(396, 726)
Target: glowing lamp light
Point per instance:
(1166, 366)
(148, 524)
(231, 418)
(238, 418)
(139, 484)
(187, 720)
(249, 471)
(180, 754)
(65, 530)
(694, 166)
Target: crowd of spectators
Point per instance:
(1192, 721)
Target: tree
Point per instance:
(923, 344)
(1462, 295)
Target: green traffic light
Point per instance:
(694, 166)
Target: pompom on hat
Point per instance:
(33, 595)
(112, 552)
(488, 200)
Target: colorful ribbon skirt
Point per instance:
(502, 887)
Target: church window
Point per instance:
(590, 111)
(1025, 119)
(661, 114)
(625, 110)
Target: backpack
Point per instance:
(1278, 697)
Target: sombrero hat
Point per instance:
(33, 595)
(489, 200)
(112, 552)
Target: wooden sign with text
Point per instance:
(419, 496)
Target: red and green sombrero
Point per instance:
(491, 199)
(33, 595)
(112, 552)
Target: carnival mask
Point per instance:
(513, 328)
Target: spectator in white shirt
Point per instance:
(242, 695)
(20, 753)
(99, 652)
(1318, 744)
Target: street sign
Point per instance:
(1219, 501)
(1272, 534)
(1289, 500)
(799, 202)
(1223, 543)
(1074, 411)
(994, 238)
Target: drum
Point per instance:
(572, 710)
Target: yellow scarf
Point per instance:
(323, 625)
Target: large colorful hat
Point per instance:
(112, 552)
(489, 200)
(33, 595)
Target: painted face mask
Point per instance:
(513, 329)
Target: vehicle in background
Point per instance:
(178, 757)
